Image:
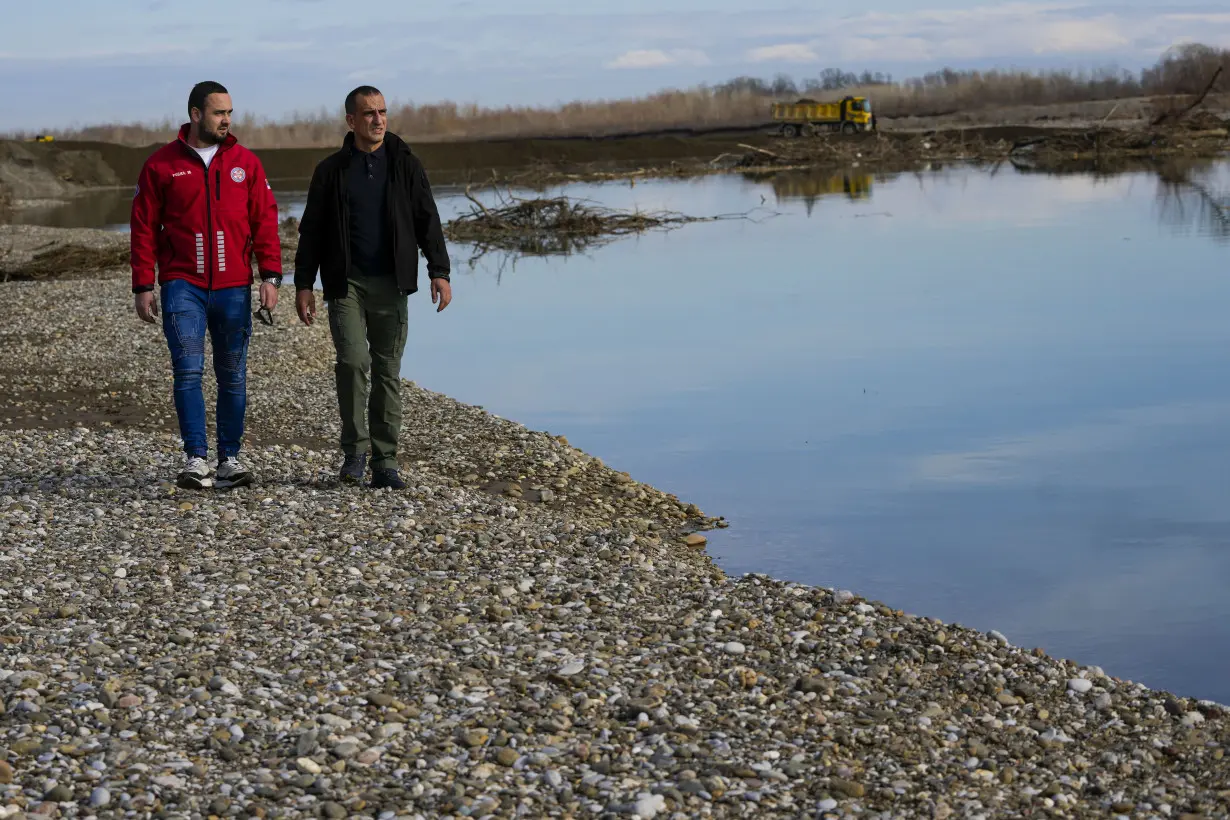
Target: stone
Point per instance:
(308, 766)
(1080, 685)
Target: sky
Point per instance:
(81, 62)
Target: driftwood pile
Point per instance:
(551, 226)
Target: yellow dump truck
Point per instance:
(42, 138)
(805, 117)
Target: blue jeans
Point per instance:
(187, 311)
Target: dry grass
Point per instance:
(740, 102)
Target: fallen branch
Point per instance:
(1175, 117)
(760, 150)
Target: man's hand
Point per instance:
(305, 304)
(146, 305)
(269, 296)
(441, 291)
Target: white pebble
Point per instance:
(649, 805)
(734, 648)
(572, 668)
(307, 765)
(1080, 685)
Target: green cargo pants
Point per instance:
(369, 333)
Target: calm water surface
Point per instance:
(1001, 400)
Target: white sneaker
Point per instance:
(195, 475)
(232, 474)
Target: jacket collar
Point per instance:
(226, 143)
(393, 144)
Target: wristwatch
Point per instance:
(275, 280)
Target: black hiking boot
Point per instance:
(387, 478)
(353, 468)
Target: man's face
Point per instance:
(369, 119)
(214, 122)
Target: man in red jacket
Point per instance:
(202, 209)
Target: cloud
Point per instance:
(784, 53)
(1100, 34)
(657, 58)
(1010, 32)
(1062, 449)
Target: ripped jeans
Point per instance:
(187, 311)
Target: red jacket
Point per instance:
(203, 225)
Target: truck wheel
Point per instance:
(790, 130)
(808, 130)
(848, 128)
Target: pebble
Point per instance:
(308, 766)
(1080, 685)
(572, 668)
(648, 805)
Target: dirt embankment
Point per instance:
(46, 171)
(32, 172)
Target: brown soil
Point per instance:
(65, 262)
(448, 160)
(63, 409)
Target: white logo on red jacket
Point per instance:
(237, 174)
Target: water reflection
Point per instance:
(809, 187)
(1192, 195)
(107, 209)
(1195, 200)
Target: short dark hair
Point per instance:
(361, 91)
(196, 98)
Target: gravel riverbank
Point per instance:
(525, 632)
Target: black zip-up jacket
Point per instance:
(324, 230)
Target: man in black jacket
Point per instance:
(369, 210)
